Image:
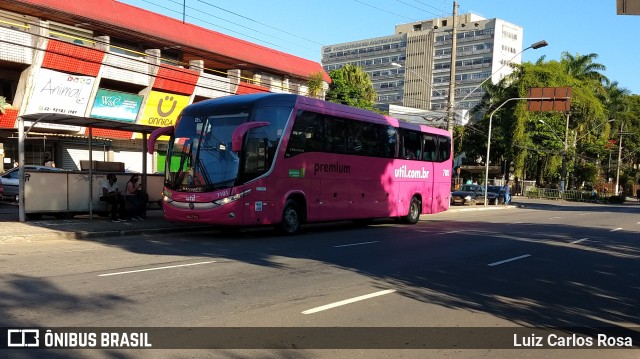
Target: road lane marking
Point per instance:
(157, 268)
(615, 229)
(555, 217)
(579, 240)
(348, 301)
(355, 244)
(509, 260)
(449, 232)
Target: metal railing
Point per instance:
(569, 195)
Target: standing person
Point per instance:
(110, 193)
(507, 195)
(136, 197)
(638, 194)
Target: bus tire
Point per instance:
(414, 211)
(291, 218)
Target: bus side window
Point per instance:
(336, 135)
(444, 148)
(307, 134)
(429, 148)
(391, 146)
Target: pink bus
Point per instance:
(285, 160)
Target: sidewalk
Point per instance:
(81, 227)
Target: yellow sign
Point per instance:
(162, 109)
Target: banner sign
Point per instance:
(115, 105)
(59, 92)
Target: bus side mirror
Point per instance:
(151, 141)
(240, 131)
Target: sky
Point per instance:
(302, 27)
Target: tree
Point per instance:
(314, 84)
(351, 86)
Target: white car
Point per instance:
(10, 179)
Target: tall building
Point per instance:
(412, 67)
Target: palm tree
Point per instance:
(583, 67)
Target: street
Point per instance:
(559, 264)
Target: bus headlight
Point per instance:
(227, 200)
(166, 197)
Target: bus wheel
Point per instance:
(414, 212)
(291, 218)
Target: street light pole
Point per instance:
(486, 170)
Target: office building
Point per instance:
(412, 67)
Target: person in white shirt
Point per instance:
(110, 193)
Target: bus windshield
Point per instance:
(200, 157)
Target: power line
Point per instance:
(415, 7)
(386, 11)
(261, 23)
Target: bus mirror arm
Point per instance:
(240, 131)
(151, 141)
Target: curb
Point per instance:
(480, 208)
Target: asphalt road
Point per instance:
(548, 264)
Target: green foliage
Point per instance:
(351, 86)
(314, 84)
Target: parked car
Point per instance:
(10, 179)
(499, 192)
(471, 194)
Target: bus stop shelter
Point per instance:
(90, 123)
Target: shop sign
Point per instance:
(162, 109)
(115, 105)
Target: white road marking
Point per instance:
(615, 229)
(348, 301)
(157, 268)
(555, 217)
(355, 244)
(449, 232)
(579, 240)
(509, 260)
(585, 214)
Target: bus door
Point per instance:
(258, 206)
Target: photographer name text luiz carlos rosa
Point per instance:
(573, 340)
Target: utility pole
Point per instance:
(563, 180)
(619, 159)
(452, 77)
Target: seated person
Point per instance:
(137, 197)
(110, 193)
